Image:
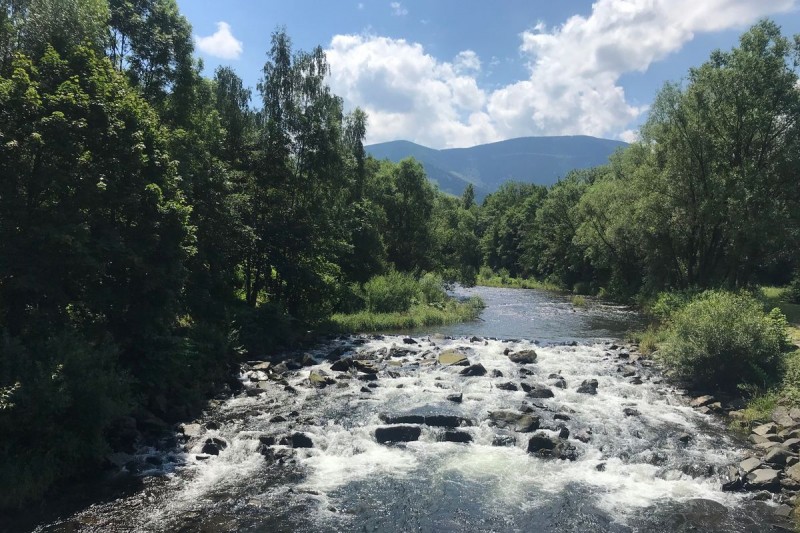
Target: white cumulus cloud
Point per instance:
(574, 71)
(221, 44)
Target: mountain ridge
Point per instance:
(540, 160)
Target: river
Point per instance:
(645, 461)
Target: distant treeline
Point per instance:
(156, 225)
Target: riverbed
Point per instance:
(628, 456)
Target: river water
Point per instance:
(632, 474)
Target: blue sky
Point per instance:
(451, 73)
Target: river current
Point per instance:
(645, 460)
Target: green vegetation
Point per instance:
(487, 278)
(419, 315)
(723, 340)
(397, 301)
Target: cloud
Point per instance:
(220, 44)
(467, 61)
(573, 84)
(398, 10)
(408, 93)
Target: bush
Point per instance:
(723, 340)
(669, 303)
(431, 287)
(393, 292)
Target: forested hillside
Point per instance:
(158, 226)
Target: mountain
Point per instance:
(541, 160)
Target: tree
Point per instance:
(723, 147)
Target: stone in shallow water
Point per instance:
(453, 358)
(523, 357)
(520, 422)
(510, 386)
(297, 440)
(504, 439)
(457, 436)
(540, 442)
(397, 434)
(214, 445)
(589, 386)
(474, 370)
(536, 390)
(456, 398)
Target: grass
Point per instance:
(516, 283)
(419, 315)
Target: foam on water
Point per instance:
(631, 463)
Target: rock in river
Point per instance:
(474, 370)
(763, 479)
(589, 386)
(520, 422)
(523, 357)
(457, 436)
(453, 358)
(397, 434)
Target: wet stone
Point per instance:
(455, 398)
(297, 440)
(214, 445)
(397, 434)
(474, 370)
(589, 386)
(453, 358)
(523, 357)
(537, 391)
(503, 439)
(509, 386)
(457, 436)
(520, 422)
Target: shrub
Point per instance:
(723, 340)
(393, 292)
(431, 288)
(579, 301)
(668, 303)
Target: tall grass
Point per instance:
(419, 315)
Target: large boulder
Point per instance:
(391, 434)
(523, 357)
(520, 422)
(540, 442)
(702, 401)
(453, 358)
(589, 386)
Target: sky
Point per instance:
(457, 73)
